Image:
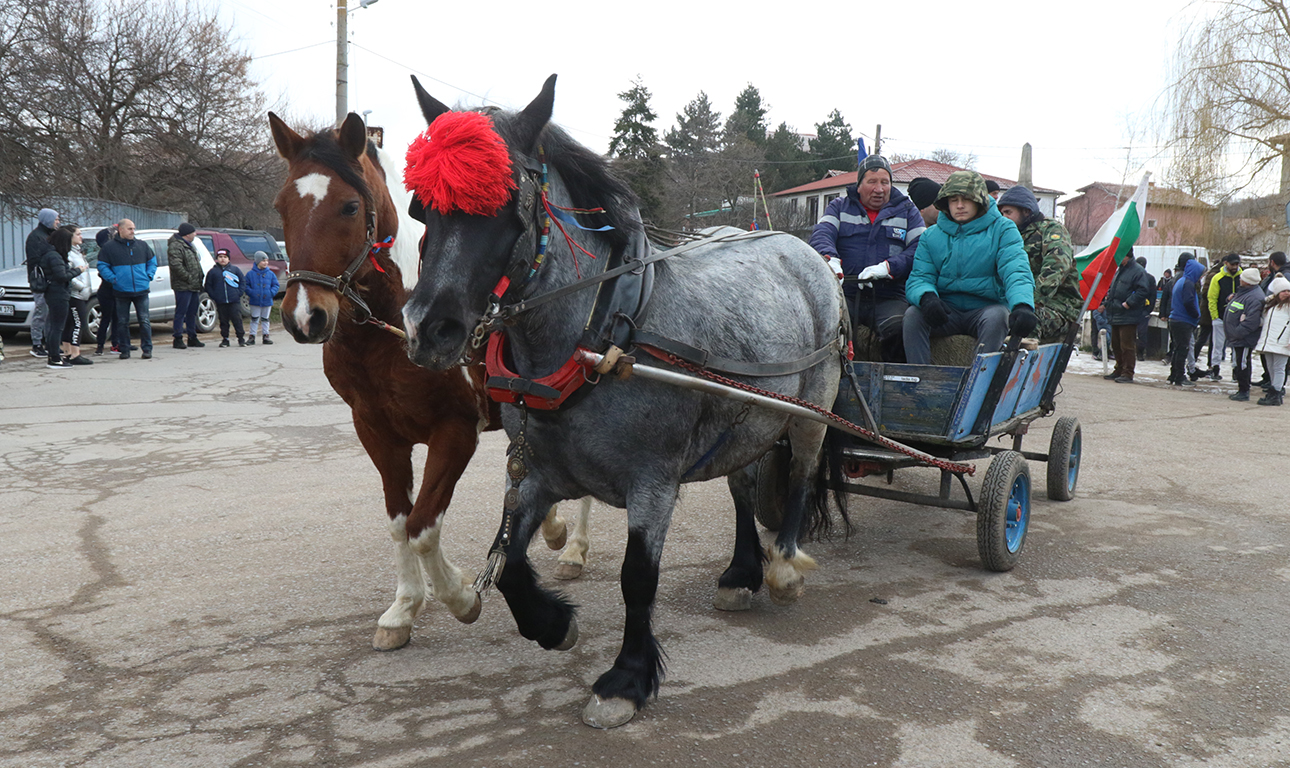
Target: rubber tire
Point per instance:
(207, 315)
(997, 489)
(1064, 452)
(93, 316)
(771, 494)
(246, 305)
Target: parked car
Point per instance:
(16, 302)
(242, 245)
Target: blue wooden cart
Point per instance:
(952, 413)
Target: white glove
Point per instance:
(836, 264)
(879, 271)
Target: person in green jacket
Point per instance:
(971, 274)
(186, 278)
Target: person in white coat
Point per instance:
(1274, 341)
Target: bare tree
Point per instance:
(145, 103)
(1231, 96)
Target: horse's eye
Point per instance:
(350, 209)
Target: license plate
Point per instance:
(6, 310)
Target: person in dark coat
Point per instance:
(225, 284)
(1242, 321)
(58, 275)
(37, 246)
(1184, 316)
(107, 301)
(186, 281)
(1128, 301)
(1145, 323)
(130, 264)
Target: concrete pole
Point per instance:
(342, 61)
(877, 140)
(1024, 174)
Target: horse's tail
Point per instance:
(827, 493)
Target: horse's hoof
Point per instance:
(608, 713)
(570, 637)
(558, 542)
(733, 599)
(568, 571)
(786, 595)
(391, 638)
(473, 614)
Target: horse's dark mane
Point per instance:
(591, 181)
(323, 148)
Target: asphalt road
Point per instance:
(195, 556)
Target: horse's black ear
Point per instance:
(353, 137)
(288, 141)
(536, 115)
(416, 210)
(430, 106)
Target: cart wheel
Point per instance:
(1063, 459)
(772, 486)
(1003, 512)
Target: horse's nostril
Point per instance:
(445, 333)
(317, 322)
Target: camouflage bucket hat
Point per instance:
(967, 184)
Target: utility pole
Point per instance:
(342, 61)
(1024, 173)
(877, 140)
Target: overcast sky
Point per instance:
(1079, 81)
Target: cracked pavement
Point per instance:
(195, 556)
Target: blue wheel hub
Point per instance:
(1072, 474)
(1018, 515)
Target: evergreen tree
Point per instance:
(788, 164)
(749, 117)
(833, 146)
(634, 136)
(698, 128)
(694, 142)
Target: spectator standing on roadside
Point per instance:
(107, 300)
(1242, 322)
(1274, 340)
(37, 246)
(1184, 317)
(1127, 302)
(58, 275)
(130, 264)
(1276, 266)
(261, 289)
(1221, 287)
(1144, 324)
(186, 280)
(78, 302)
(224, 284)
(1164, 292)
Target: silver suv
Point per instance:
(16, 300)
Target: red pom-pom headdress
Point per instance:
(460, 163)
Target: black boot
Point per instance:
(193, 341)
(179, 343)
(1272, 398)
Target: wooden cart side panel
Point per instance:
(975, 387)
(1041, 365)
(904, 398)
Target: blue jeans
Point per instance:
(140, 302)
(989, 324)
(186, 313)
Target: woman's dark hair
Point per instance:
(61, 239)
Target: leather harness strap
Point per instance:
(652, 342)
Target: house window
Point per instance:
(1151, 223)
(812, 208)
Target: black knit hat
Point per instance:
(103, 235)
(923, 191)
(992, 186)
(186, 229)
(874, 163)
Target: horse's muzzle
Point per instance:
(318, 327)
(438, 344)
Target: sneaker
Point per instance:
(1214, 375)
(81, 360)
(98, 350)
(267, 340)
(1124, 380)
(193, 341)
(1195, 375)
(1111, 376)
(147, 355)
(1272, 398)
(1186, 383)
(179, 343)
(1239, 396)
(224, 343)
(39, 352)
(242, 342)
(133, 348)
(249, 342)
(59, 363)
(123, 356)
(114, 349)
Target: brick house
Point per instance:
(812, 198)
(1172, 217)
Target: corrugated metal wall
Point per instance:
(85, 211)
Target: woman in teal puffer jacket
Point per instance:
(970, 274)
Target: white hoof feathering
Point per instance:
(737, 599)
(570, 636)
(568, 571)
(608, 713)
(391, 638)
(784, 578)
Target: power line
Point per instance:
(293, 50)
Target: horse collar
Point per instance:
(546, 393)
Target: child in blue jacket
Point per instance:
(224, 284)
(261, 289)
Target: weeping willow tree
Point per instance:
(1229, 105)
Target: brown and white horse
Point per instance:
(340, 199)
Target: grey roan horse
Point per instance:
(628, 442)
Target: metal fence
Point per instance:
(85, 211)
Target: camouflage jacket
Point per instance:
(1052, 260)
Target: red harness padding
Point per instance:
(544, 394)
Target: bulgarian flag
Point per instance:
(1110, 244)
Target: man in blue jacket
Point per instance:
(1184, 317)
(130, 265)
(971, 274)
(872, 232)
